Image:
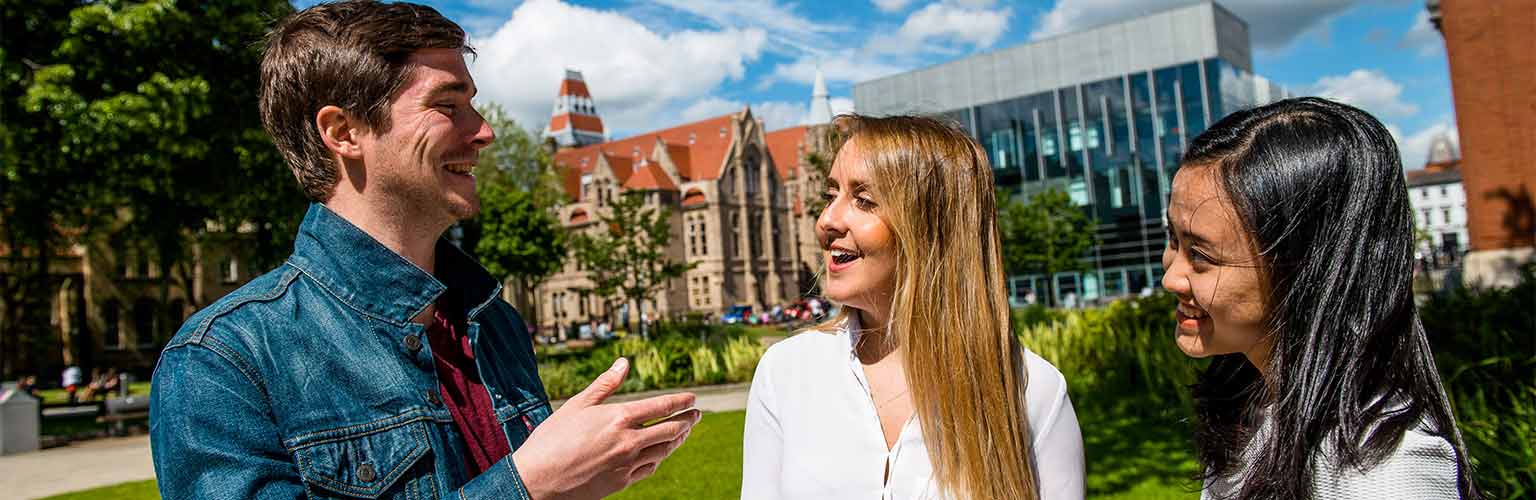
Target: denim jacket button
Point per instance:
(365, 473)
(433, 398)
(412, 343)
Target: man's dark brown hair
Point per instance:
(349, 54)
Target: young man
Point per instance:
(378, 361)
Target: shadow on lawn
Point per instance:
(1131, 441)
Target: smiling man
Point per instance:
(379, 361)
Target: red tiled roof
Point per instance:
(694, 197)
(574, 87)
(681, 156)
(784, 146)
(578, 216)
(706, 148)
(586, 123)
(650, 177)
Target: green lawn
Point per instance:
(1127, 459)
(57, 396)
(137, 490)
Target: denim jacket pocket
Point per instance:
(364, 461)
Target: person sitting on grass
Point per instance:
(1290, 249)
(918, 387)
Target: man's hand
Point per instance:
(587, 449)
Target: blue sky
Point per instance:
(653, 64)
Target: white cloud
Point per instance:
(784, 27)
(1415, 148)
(940, 26)
(774, 114)
(779, 114)
(891, 5)
(848, 65)
(633, 72)
(1422, 36)
(708, 107)
(1368, 89)
(1272, 24)
(841, 105)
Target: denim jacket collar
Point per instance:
(370, 277)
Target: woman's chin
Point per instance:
(1192, 345)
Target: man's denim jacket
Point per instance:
(312, 380)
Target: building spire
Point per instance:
(574, 122)
(821, 103)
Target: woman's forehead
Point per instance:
(1197, 199)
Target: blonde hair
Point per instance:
(949, 311)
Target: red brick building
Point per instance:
(1491, 47)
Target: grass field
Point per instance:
(58, 396)
(709, 467)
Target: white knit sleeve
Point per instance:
(1423, 467)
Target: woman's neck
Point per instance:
(874, 337)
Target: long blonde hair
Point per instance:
(949, 311)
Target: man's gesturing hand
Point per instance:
(587, 449)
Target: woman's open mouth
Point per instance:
(1189, 317)
(841, 259)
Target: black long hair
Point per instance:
(1319, 187)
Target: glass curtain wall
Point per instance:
(1113, 146)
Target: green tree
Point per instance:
(518, 160)
(133, 121)
(630, 257)
(517, 236)
(1046, 235)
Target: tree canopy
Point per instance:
(1046, 235)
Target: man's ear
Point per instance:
(339, 130)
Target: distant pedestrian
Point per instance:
(71, 382)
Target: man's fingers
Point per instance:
(646, 410)
(642, 472)
(601, 387)
(670, 429)
(654, 454)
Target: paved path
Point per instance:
(103, 462)
(79, 466)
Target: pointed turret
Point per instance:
(1442, 150)
(821, 103)
(574, 121)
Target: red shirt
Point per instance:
(464, 394)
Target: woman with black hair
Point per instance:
(1290, 249)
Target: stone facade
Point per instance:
(731, 216)
(113, 306)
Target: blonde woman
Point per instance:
(918, 388)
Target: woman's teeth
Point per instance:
(1191, 312)
(842, 257)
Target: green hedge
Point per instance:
(1485, 346)
(678, 355)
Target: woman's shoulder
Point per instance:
(1422, 466)
(1045, 392)
(1045, 381)
(795, 350)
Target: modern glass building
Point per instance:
(1101, 114)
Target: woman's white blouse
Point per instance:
(812, 431)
